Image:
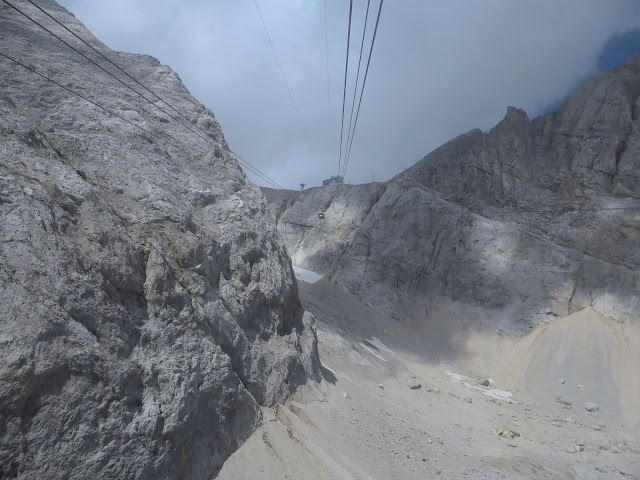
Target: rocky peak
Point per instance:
(604, 103)
(518, 226)
(148, 305)
(515, 121)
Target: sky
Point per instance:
(438, 69)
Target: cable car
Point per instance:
(321, 215)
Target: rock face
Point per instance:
(316, 244)
(148, 307)
(533, 220)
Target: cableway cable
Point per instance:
(217, 145)
(355, 88)
(97, 65)
(344, 92)
(110, 112)
(304, 130)
(326, 49)
(557, 210)
(107, 59)
(364, 82)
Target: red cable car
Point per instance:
(321, 215)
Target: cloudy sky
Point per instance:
(438, 69)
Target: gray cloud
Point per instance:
(438, 69)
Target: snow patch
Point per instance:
(371, 351)
(379, 345)
(304, 275)
(466, 381)
(457, 378)
(329, 368)
(497, 394)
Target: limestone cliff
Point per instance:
(147, 304)
(532, 220)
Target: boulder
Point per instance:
(592, 407)
(413, 383)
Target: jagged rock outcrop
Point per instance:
(148, 307)
(530, 221)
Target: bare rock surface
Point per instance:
(148, 306)
(315, 243)
(521, 225)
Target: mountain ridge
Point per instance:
(523, 224)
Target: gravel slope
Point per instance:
(372, 425)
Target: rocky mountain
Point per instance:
(528, 222)
(148, 306)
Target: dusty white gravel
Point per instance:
(368, 423)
